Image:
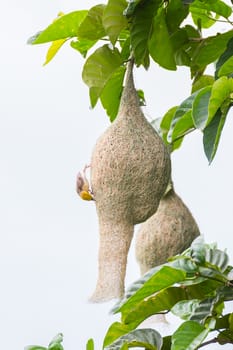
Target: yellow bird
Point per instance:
(82, 186)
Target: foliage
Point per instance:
(195, 286)
(168, 32)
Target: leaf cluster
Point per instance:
(168, 32)
(193, 286)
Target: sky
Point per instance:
(49, 236)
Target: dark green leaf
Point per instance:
(83, 46)
(225, 337)
(225, 293)
(146, 338)
(176, 12)
(98, 69)
(113, 19)
(64, 27)
(111, 94)
(163, 278)
(90, 344)
(189, 336)
(203, 81)
(160, 46)
(132, 4)
(141, 28)
(212, 134)
(166, 343)
(227, 55)
(92, 27)
(200, 107)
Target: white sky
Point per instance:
(49, 237)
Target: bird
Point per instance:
(82, 186)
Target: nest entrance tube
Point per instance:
(113, 251)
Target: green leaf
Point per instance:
(217, 6)
(90, 344)
(161, 301)
(98, 69)
(185, 308)
(132, 4)
(176, 12)
(203, 81)
(221, 91)
(52, 51)
(212, 134)
(184, 107)
(140, 30)
(115, 331)
(160, 47)
(189, 336)
(217, 257)
(111, 94)
(83, 46)
(202, 17)
(210, 49)
(226, 68)
(113, 19)
(200, 107)
(146, 338)
(163, 278)
(91, 27)
(183, 126)
(55, 344)
(227, 54)
(64, 27)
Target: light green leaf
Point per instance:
(83, 45)
(55, 344)
(98, 69)
(189, 336)
(217, 6)
(210, 49)
(161, 301)
(200, 107)
(160, 47)
(140, 30)
(184, 107)
(52, 51)
(183, 126)
(227, 54)
(64, 27)
(163, 278)
(221, 91)
(202, 17)
(145, 338)
(111, 94)
(113, 19)
(116, 330)
(90, 344)
(203, 81)
(91, 27)
(226, 68)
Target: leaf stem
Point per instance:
(211, 341)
